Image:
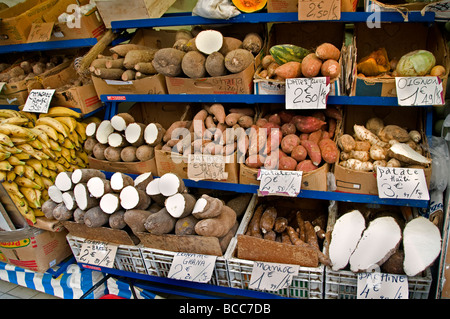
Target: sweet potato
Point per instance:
(289, 70)
(287, 163)
(311, 65)
(313, 151)
(289, 142)
(307, 124)
(288, 128)
(330, 68)
(218, 226)
(255, 161)
(299, 153)
(329, 151)
(346, 142)
(306, 166)
(315, 136)
(327, 51)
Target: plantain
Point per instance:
(4, 155)
(81, 130)
(10, 176)
(22, 121)
(36, 144)
(17, 200)
(29, 115)
(3, 176)
(13, 130)
(38, 180)
(27, 212)
(22, 156)
(12, 188)
(55, 111)
(41, 136)
(50, 121)
(20, 140)
(9, 113)
(50, 131)
(30, 196)
(68, 121)
(68, 144)
(5, 166)
(26, 182)
(6, 140)
(19, 170)
(35, 164)
(28, 172)
(51, 165)
(13, 160)
(47, 182)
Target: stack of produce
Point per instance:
(34, 149)
(364, 240)
(376, 144)
(122, 139)
(299, 142)
(208, 53)
(290, 61)
(291, 229)
(414, 63)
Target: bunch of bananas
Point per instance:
(34, 148)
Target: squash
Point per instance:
(249, 6)
(283, 53)
(375, 63)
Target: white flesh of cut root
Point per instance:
(110, 203)
(64, 181)
(55, 194)
(209, 41)
(103, 130)
(180, 205)
(133, 198)
(170, 184)
(120, 180)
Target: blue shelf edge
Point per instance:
(188, 19)
(48, 45)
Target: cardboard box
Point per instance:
(17, 20)
(292, 5)
(398, 39)
(404, 8)
(351, 181)
(124, 167)
(154, 84)
(116, 10)
(91, 26)
(104, 234)
(307, 35)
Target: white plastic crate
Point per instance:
(342, 284)
(128, 258)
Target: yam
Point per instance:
(393, 132)
(134, 133)
(135, 219)
(404, 153)
(215, 64)
(110, 203)
(109, 74)
(375, 125)
(299, 153)
(47, 208)
(193, 64)
(135, 56)
(364, 134)
(120, 180)
(120, 121)
(128, 154)
(209, 41)
(346, 142)
(229, 44)
(78, 215)
(153, 134)
(218, 111)
(170, 184)
(98, 186)
(252, 42)
(186, 225)
(117, 139)
(112, 154)
(167, 61)
(82, 175)
(239, 203)
(133, 198)
(145, 152)
(103, 130)
(160, 223)
(207, 207)
(69, 200)
(180, 205)
(83, 197)
(128, 75)
(142, 180)
(238, 60)
(153, 191)
(116, 220)
(145, 68)
(217, 226)
(113, 63)
(95, 217)
(62, 213)
(123, 49)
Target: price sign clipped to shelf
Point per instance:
(404, 183)
(202, 167)
(192, 267)
(272, 276)
(419, 90)
(319, 10)
(376, 285)
(278, 182)
(38, 101)
(307, 93)
(97, 253)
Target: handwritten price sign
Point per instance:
(277, 182)
(192, 267)
(376, 285)
(271, 276)
(38, 101)
(206, 167)
(307, 93)
(398, 182)
(97, 253)
(319, 10)
(415, 90)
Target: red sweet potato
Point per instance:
(289, 142)
(329, 151)
(313, 151)
(306, 166)
(307, 124)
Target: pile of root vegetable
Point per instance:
(291, 229)
(157, 206)
(287, 61)
(122, 139)
(376, 144)
(193, 54)
(34, 149)
(395, 242)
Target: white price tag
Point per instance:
(202, 166)
(376, 285)
(307, 93)
(399, 182)
(272, 276)
(38, 101)
(278, 182)
(97, 253)
(419, 90)
(192, 267)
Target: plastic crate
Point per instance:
(128, 258)
(342, 284)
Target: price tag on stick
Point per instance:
(319, 10)
(307, 93)
(419, 90)
(271, 276)
(192, 267)
(399, 182)
(38, 101)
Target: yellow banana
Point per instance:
(46, 172)
(12, 150)
(12, 188)
(53, 175)
(22, 156)
(27, 212)
(13, 160)
(41, 136)
(29, 115)
(44, 195)
(91, 118)
(55, 111)
(54, 146)
(36, 144)
(22, 121)
(50, 131)
(4, 155)
(28, 172)
(50, 121)
(5, 166)
(44, 163)
(9, 113)
(40, 155)
(6, 140)
(38, 180)
(47, 182)
(79, 162)
(81, 130)
(68, 121)
(19, 170)
(13, 130)
(38, 212)
(74, 139)
(35, 164)
(51, 165)
(23, 181)
(59, 167)
(3, 176)
(82, 155)
(20, 140)
(30, 196)
(68, 144)
(10, 176)
(17, 200)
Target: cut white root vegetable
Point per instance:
(142, 180)
(117, 140)
(91, 129)
(98, 186)
(83, 198)
(110, 203)
(153, 191)
(209, 41)
(170, 184)
(55, 194)
(103, 130)
(345, 237)
(82, 175)
(422, 245)
(133, 198)
(180, 205)
(379, 241)
(404, 153)
(64, 181)
(120, 180)
(153, 134)
(134, 134)
(200, 205)
(69, 200)
(120, 121)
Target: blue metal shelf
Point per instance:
(181, 19)
(48, 45)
